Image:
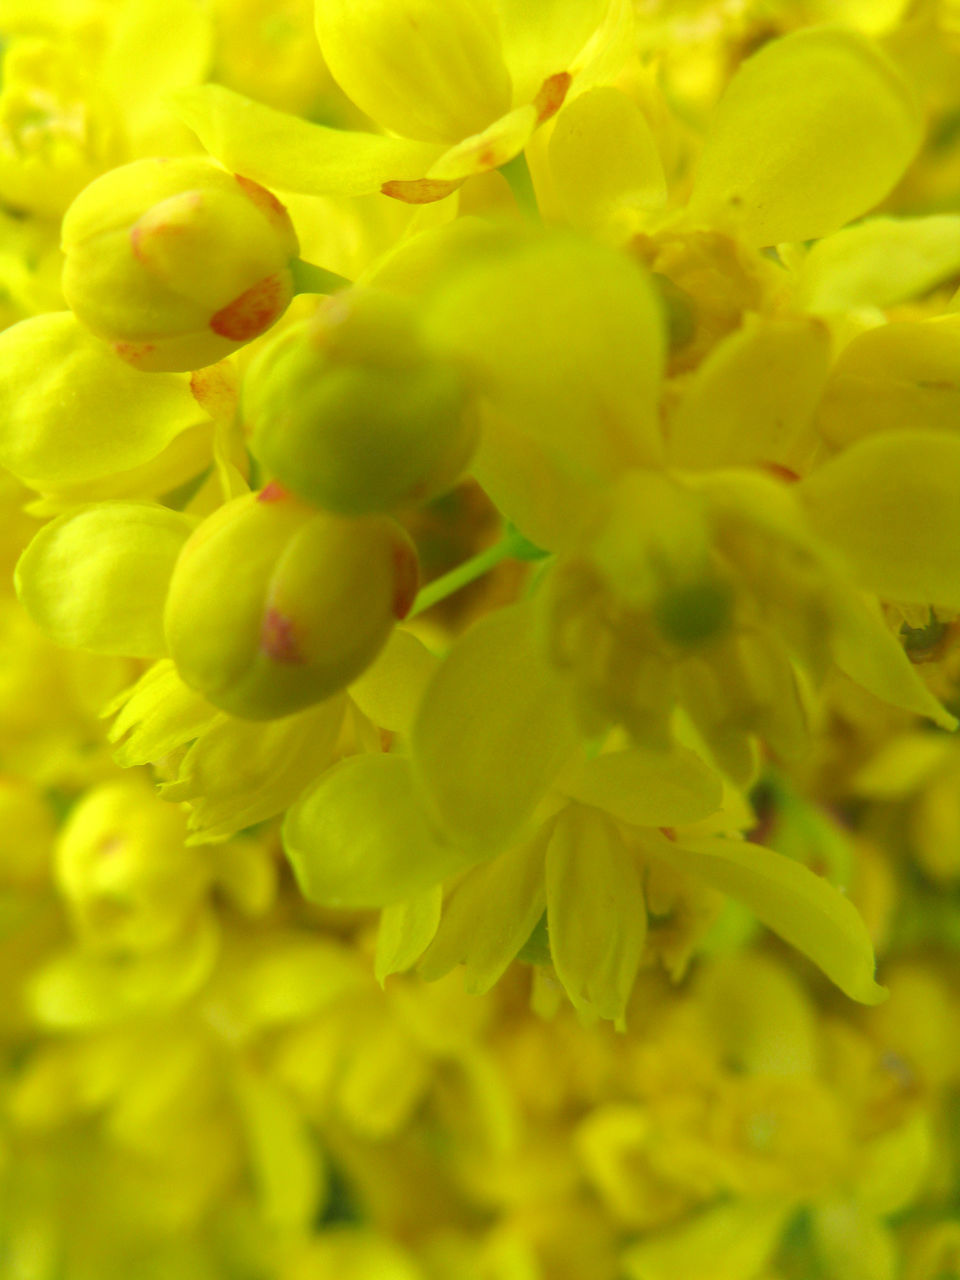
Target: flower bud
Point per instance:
(123, 867)
(274, 606)
(177, 262)
(353, 411)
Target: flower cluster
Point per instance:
(482, 515)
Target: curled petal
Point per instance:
(803, 908)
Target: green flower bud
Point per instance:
(177, 262)
(354, 412)
(274, 606)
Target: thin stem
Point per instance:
(517, 174)
(308, 278)
(512, 546)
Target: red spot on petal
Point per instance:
(552, 92)
(406, 575)
(111, 845)
(669, 832)
(273, 492)
(278, 638)
(255, 310)
(420, 190)
(136, 238)
(264, 200)
(215, 389)
(780, 472)
(134, 352)
(487, 158)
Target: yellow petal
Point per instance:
(245, 872)
(82, 989)
(493, 731)
(488, 917)
(761, 1013)
(540, 493)
(566, 339)
(803, 908)
(900, 375)
(351, 1253)
(50, 361)
(96, 578)
(427, 69)
(153, 47)
(491, 148)
(542, 39)
(852, 1242)
(903, 766)
(880, 262)
(157, 715)
(390, 690)
(866, 650)
(752, 399)
(281, 150)
(896, 1165)
(360, 838)
(605, 162)
(383, 1077)
(645, 787)
(285, 1156)
(812, 131)
(731, 1242)
(240, 772)
(596, 915)
(406, 929)
(286, 977)
(891, 505)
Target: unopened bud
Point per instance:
(123, 867)
(177, 263)
(353, 412)
(274, 606)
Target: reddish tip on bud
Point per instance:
(406, 571)
(780, 472)
(246, 317)
(278, 638)
(265, 200)
(273, 492)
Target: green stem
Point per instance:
(517, 174)
(308, 278)
(512, 546)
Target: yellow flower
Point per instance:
(460, 86)
(711, 593)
